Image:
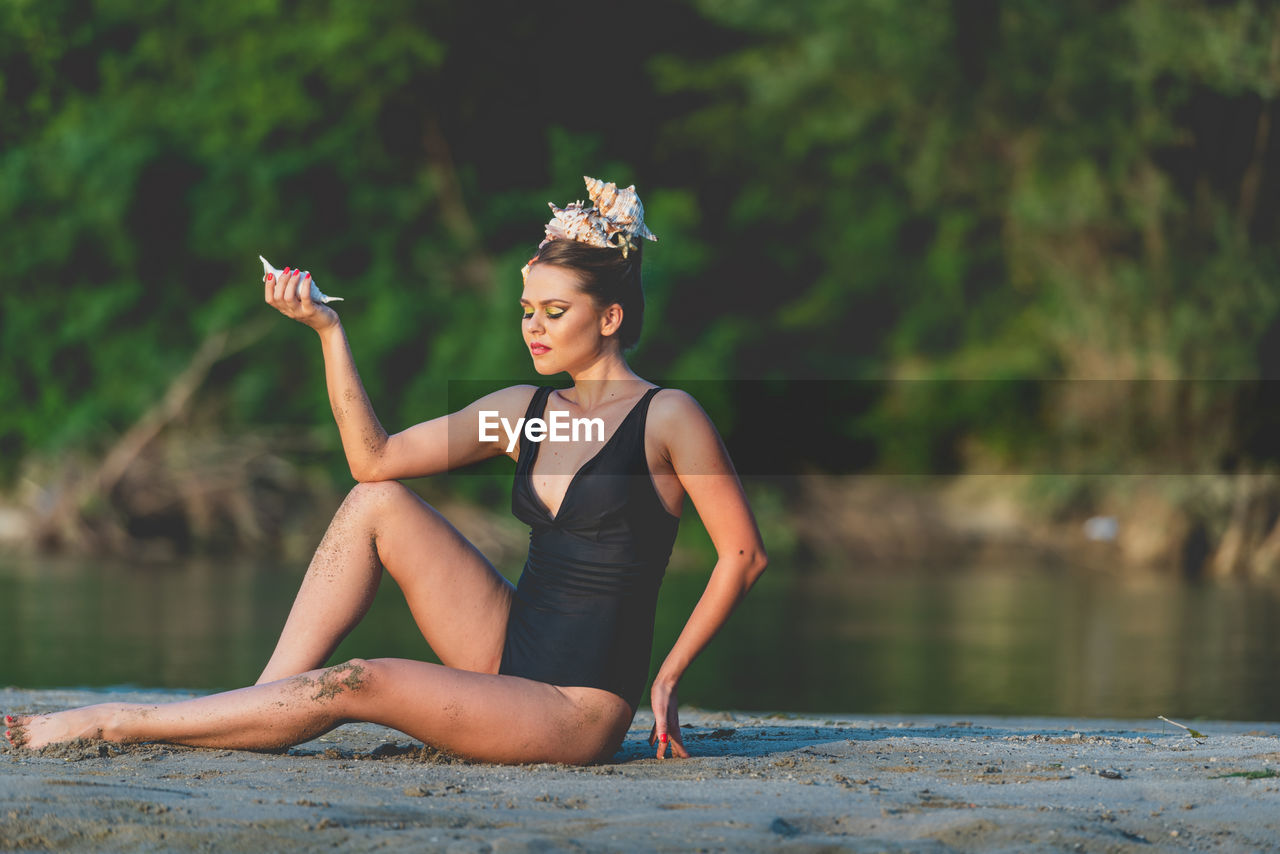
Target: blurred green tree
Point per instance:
(950, 190)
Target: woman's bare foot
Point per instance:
(33, 732)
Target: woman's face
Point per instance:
(562, 327)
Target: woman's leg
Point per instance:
(459, 601)
(476, 715)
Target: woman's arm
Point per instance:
(700, 461)
(433, 446)
(364, 441)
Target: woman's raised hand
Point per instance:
(290, 294)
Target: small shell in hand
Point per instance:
(316, 295)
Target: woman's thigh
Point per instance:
(492, 718)
(459, 601)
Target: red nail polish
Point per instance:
(270, 277)
(307, 276)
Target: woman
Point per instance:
(551, 670)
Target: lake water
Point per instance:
(1007, 639)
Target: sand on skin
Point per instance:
(905, 783)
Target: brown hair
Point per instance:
(605, 276)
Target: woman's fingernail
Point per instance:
(270, 277)
(10, 719)
(307, 276)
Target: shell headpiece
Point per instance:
(614, 220)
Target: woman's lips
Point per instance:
(538, 349)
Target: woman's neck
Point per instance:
(607, 378)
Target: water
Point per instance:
(1009, 639)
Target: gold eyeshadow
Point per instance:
(552, 312)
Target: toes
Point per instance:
(16, 731)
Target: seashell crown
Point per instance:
(615, 219)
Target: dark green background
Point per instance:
(842, 190)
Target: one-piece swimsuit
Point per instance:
(584, 607)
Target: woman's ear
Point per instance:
(611, 320)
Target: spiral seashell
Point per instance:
(621, 211)
(316, 295)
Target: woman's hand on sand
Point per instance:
(290, 294)
(666, 726)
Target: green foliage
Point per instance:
(961, 191)
(940, 190)
(157, 149)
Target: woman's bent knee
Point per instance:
(378, 491)
(380, 499)
(374, 502)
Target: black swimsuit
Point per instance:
(584, 607)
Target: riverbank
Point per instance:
(911, 783)
(1224, 527)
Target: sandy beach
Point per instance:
(754, 782)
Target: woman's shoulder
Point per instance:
(673, 409)
(685, 434)
(675, 400)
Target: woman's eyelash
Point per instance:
(551, 313)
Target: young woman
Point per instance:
(550, 670)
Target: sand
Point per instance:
(755, 782)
